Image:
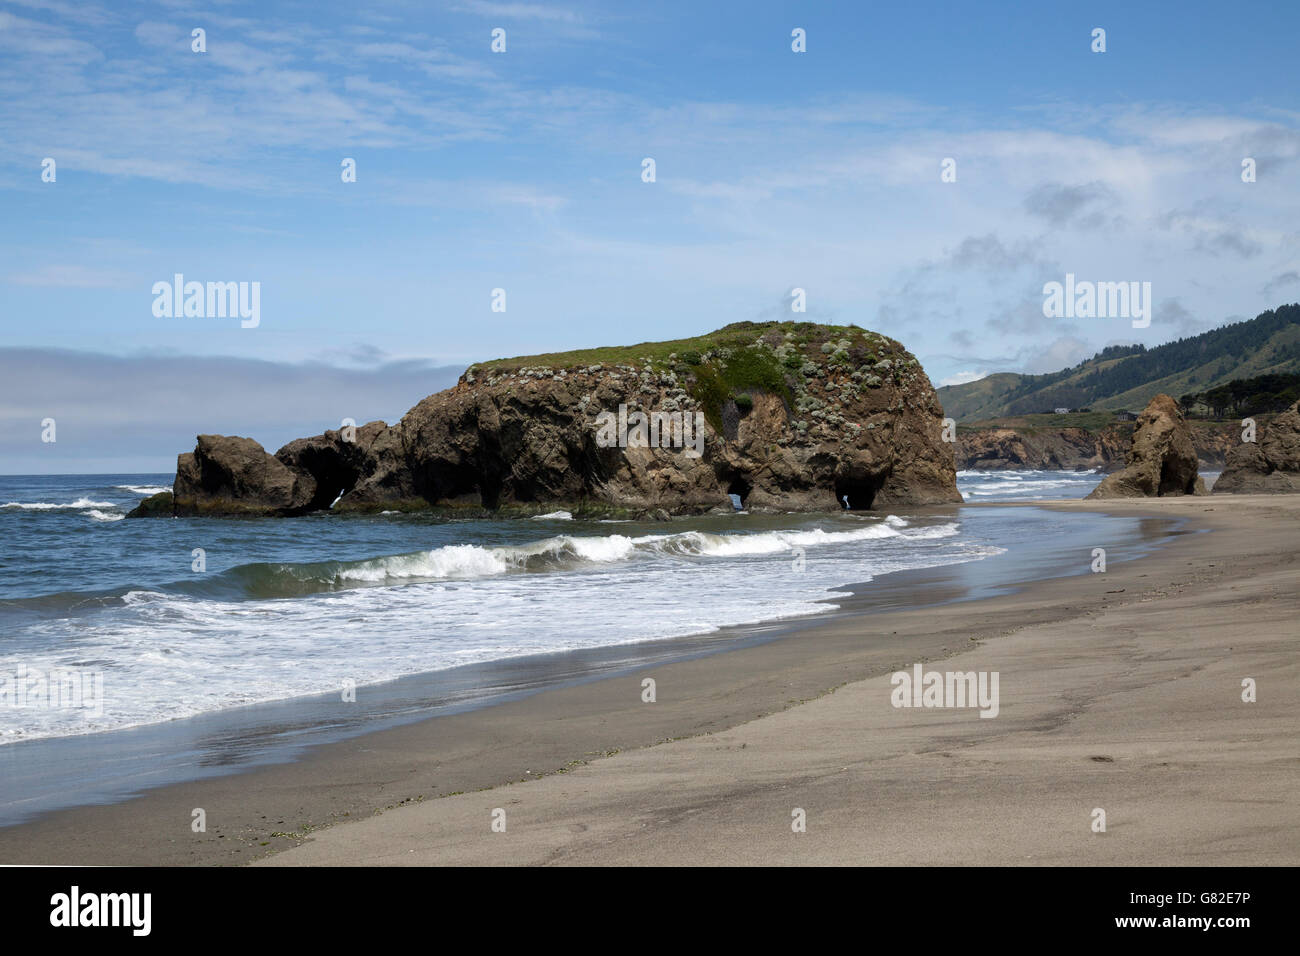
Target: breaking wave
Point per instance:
(79, 505)
(468, 562)
(558, 553)
(145, 490)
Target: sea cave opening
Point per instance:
(739, 490)
(857, 494)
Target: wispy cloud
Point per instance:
(478, 170)
(961, 378)
(72, 276)
(519, 11)
(143, 410)
(1279, 282)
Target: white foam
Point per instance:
(166, 655)
(1027, 484)
(554, 516)
(614, 547)
(104, 515)
(79, 504)
(452, 561)
(143, 489)
(143, 597)
(463, 561)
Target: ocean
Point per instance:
(1027, 485)
(142, 664)
(1035, 485)
(186, 616)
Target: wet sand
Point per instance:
(1119, 691)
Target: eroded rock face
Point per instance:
(1268, 465)
(1070, 449)
(365, 464)
(1161, 461)
(516, 439)
(1005, 449)
(839, 412)
(228, 475)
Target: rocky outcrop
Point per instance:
(787, 416)
(155, 506)
(1071, 449)
(1067, 449)
(529, 437)
(1161, 461)
(1268, 465)
(366, 464)
(1213, 442)
(227, 475)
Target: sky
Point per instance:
(522, 171)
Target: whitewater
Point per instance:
(280, 609)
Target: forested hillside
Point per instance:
(1126, 377)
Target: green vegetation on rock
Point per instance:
(737, 361)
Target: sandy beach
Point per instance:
(1125, 695)
(1119, 690)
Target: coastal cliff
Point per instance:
(1268, 465)
(787, 416)
(1015, 446)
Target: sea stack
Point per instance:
(1268, 465)
(229, 475)
(1161, 461)
(785, 416)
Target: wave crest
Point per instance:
(79, 505)
(561, 552)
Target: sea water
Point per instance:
(177, 617)
(184, 616)
(203, 668)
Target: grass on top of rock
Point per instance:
(745, 370)
(737, 361)
(697, 350)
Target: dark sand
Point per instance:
(1119, 690)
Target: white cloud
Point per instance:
(160, 402)
(961, 378)
(519, 11)
(1064, 352)
(839, 194)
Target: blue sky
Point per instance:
(522, 170)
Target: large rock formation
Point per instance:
(1011, 447)
(1066, 449)
(1161, 461)
(1268, 465)
(229, 475)
(793, 417)
(369, 457)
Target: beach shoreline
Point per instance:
(598, 735)
(1004, 548)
